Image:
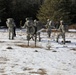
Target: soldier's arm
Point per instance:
(46, 25)
(63, 29)
(7, 24)
(14, 24)
(53, 27)
(24, 25)
(58, 28)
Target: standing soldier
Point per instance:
(29, 26)
(48, 26)
(37, 32)
(11, 27)
(31, 29)
(62, 32)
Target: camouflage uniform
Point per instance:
(48, 26)
(62, 32)
(11, 27)
(29, 26)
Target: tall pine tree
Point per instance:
(55, 10)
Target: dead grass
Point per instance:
(74, 49)
(53, 30)
(72, 26)
(4, 50)
(26, 46)
(2, 62)
(2, 41)
(4, 74)
(3, 59)
(40, 72)
(2, 70)
(19, 74)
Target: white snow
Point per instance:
(17, 60)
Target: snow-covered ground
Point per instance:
(18, 59)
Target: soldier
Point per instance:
(26, 23)
(11, 27)
(37, 32)
(35, 22)
(14, 27)
(29, 25)
(48, 26)
(62, 32)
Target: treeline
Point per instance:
(52, 9)
(18, 9)
(58, 10)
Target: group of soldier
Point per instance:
(61, 29)
(32, 28)
(29, 24)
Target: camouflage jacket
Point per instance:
(62, 29)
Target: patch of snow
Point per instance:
(19, 60)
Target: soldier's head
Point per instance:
(26, 19)
(10, 19)
(61, 22)
(48, 20)
(35, 20)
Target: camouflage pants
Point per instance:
(11, 33)
(49, 33)
(63, 36)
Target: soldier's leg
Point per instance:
(28, 38)
(12, 37)
(12, 32)
(63, 36)
(39, 36)
(35, 39)
(48, 34)
(9, 34)
(58, 37)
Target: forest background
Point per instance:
(38, 9)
